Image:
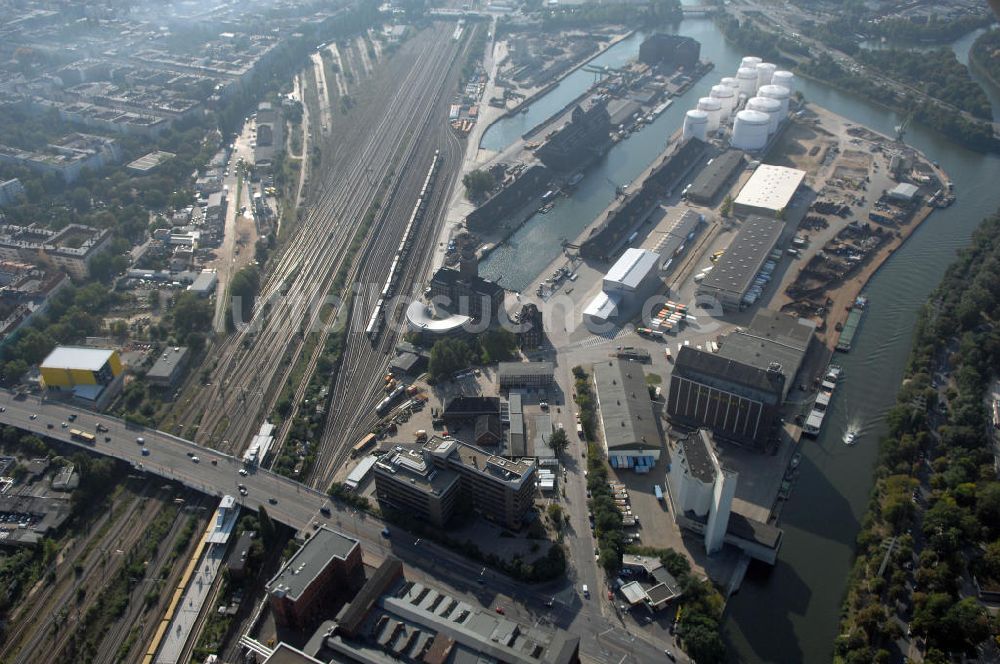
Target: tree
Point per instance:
(191, 314)
(478, 183)
(727, 206)
(497, 345)
(555, 515)
(447, 357)
(558, 441)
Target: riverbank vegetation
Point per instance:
(938, 73)
(932, 530)
(985, 54)
(973, 134)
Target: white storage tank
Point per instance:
(772, 107)
(784, 79)
(765, 71)
(695, 125)
(713, 107)
(747, 78)
(750, 61)
(727, 96)
(779, 92)
(750, 130)
(730, 82)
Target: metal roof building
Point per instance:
(735, 272)
(168, 367)
(631, 271)
(707, 186)
(77, 358)
(772, 338)
(904, 191)
(525, 374)
(603, 308)
(768, 191)
(631, 435)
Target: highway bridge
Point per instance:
(295, 505)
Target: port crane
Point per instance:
(903, 126)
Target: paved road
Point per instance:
(602, 639)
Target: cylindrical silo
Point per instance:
(779, 92)
(772, 107)
(695, 125)
(784, 78)
(713, 107)
(750, 130)
(730, 81)
(727, 96)
(750, 61)
(747, 78)
(765, 71)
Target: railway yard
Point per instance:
(298, 306)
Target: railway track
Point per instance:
(256, 362)
(45, 644)
(363, 360)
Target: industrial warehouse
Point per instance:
(632, 278)
(769, 191)
(738, 271)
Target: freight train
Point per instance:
(377, 319)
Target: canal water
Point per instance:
(789, 613)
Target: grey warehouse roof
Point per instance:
(693, 361)
(167, 362)
(737, 268)
(525, 368)
(706, 186)
(771, 337)
(626, 411)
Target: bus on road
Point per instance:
(82, 436)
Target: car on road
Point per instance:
(500, 610)
(101, 427)
(34, 416)
(586, 591)
(49, 425)
(385, 533)
(272, 500)
(140, 440)
(145, 451)
(670, 655)
(64, 425)
(72, 417)
(195, 459)
(107, 439)
(325, 511)
(243, 491)
(243, 472)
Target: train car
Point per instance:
(363, 445)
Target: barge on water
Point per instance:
(814, 423)
(851, 326)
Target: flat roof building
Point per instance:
(734, 273)
(148, 162)
(169, 367)
(707, 186)
(92, 375)
(904, 191)
(421, 483)
(525, 374)
(320, 576)
(394, 619)
(631, 435)
(772, 338)
(632, 272)
(75, 246)
(768, 191)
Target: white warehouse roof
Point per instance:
(630, 270)
(77, 357)
(603, 307)
(904, 191)
(770, 188)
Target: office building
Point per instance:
(736, 271)
(500, 489)
(525, 374)
(408, 481)
(768, 191)
(739, 402)
(631, 434)
(316, 580)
